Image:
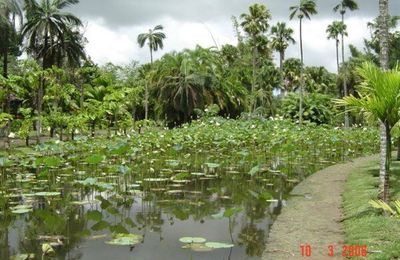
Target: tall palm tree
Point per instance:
(385, 136)
(154, 39)
(334, 30)
(378, 98)
(342, 8)
(10, 11)
(47, 24)
(255, 24)
(281, 38)
(304, 9)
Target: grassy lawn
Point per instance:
(365, 225)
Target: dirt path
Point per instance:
(312, 216)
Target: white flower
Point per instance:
(11, 135)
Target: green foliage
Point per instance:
(318, 108)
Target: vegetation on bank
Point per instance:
(365, 225)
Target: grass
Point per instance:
(365, 225)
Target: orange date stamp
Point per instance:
(345, 250)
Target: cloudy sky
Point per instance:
(112, 26)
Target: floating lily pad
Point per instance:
(21, 211)
(190, 240)
(217, 245)
(47, 194)
(23, 257)
(126, 240)
(155, 179)
(196, 247)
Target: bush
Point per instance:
(317, 108)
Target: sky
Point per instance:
(112, 26)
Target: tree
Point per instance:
(10, 10)
(342, 7)
(154, 39)
(304, 9)
(281, 38)
(379, 99)
(334, 30)
(47, 24)
(255, 24)
(385, 133)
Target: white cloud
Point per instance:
(118, 45)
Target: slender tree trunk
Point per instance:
(345, 90)
(146, 101)
(281, 59)
(301, 73)
(81, 98)
(337, 56)
(385, 132)
(5, 55)
(253, 83)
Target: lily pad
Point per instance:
(218, 245)
(197, 247)
(190, 240)
(47, 194)
(126, 240)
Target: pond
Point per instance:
(120, 199)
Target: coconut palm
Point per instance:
(334, 30)
(47, 24)
(154, 39)
(379, 99)
(255, 24)
(281, 38)
(10, 10)
(304, 9)
(342, 8)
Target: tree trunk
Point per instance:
(301, 73)
(146, 101)
(93, 128)
(281, 59)
(345, 90)
(337, 56)
(386, 156)
(5, 56)
(253, 83)
(385, 133)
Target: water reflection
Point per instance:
(77, 203)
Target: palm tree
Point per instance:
(183, 83)
(255, 24)
(334, 30)
(342, 7)
(10, 10)
(47, 24)
(384, 61)
(154, 39)
(378, 99)
(281, 38)
(304, 9)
